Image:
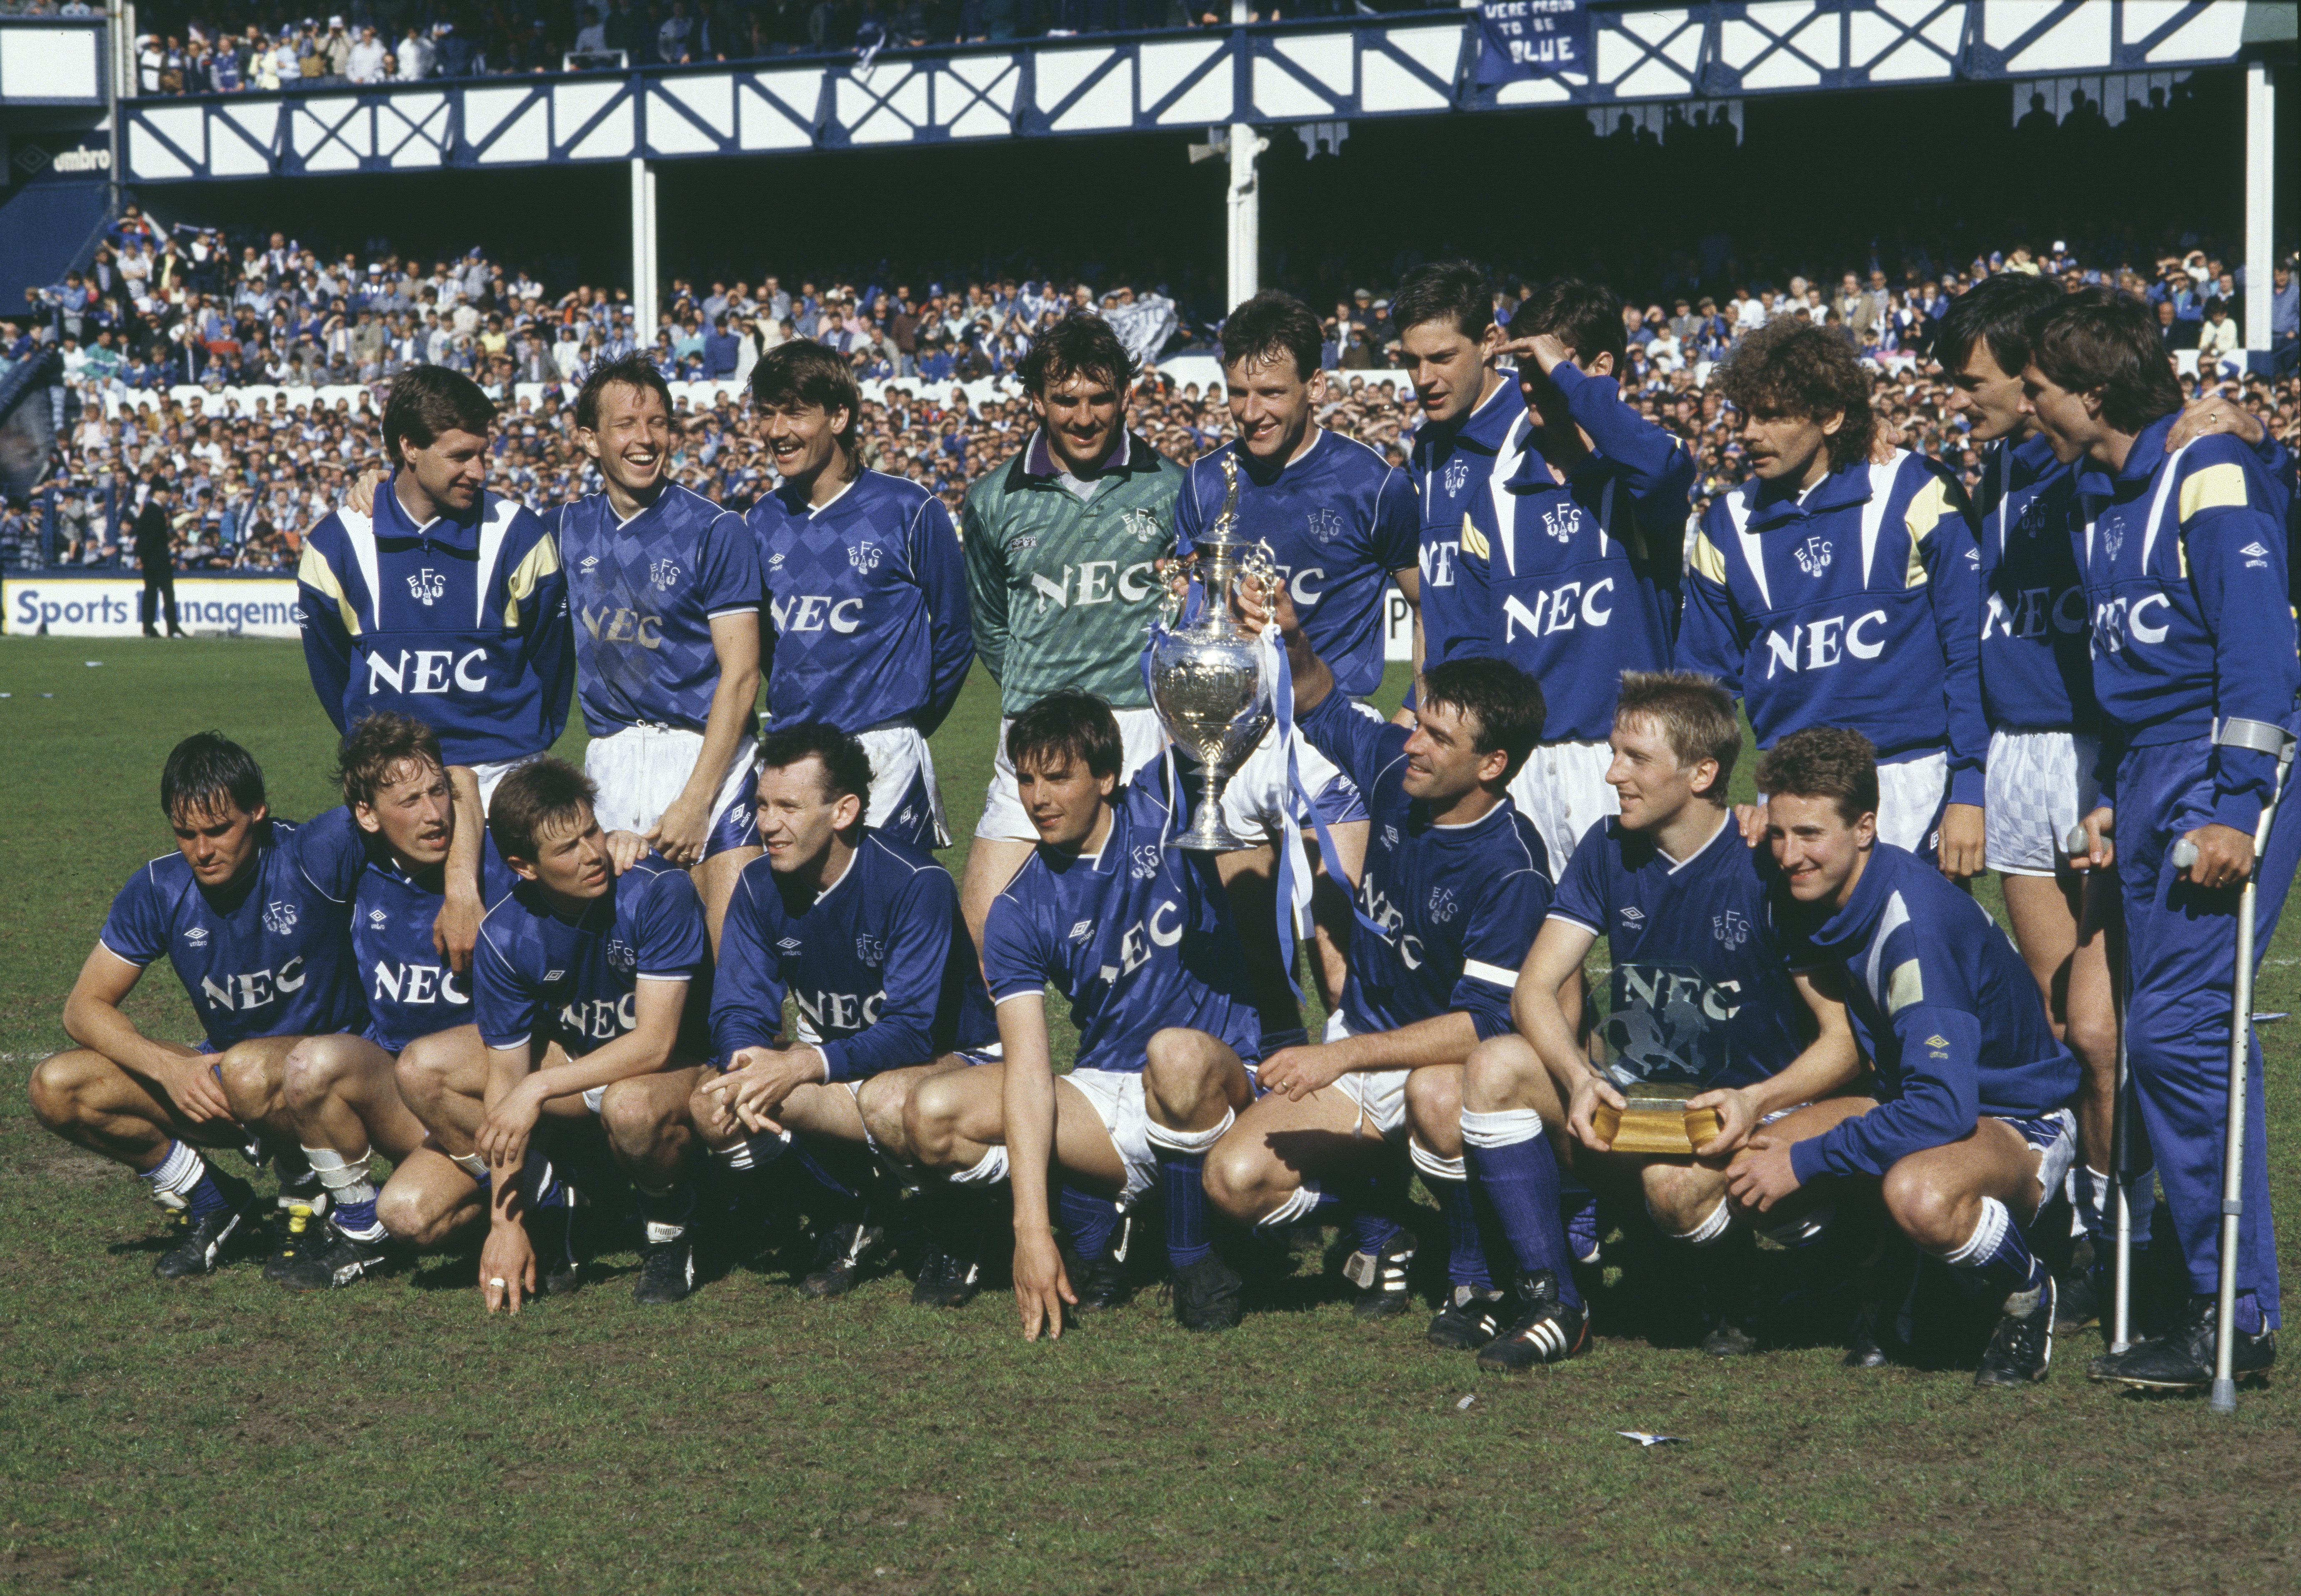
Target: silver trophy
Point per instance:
(1209, 681)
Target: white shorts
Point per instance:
(492, 772)
(906, 799)
(1562, 788)
(1380, 1094)
(2040, 785)
(1003, 815)
(1115, 1096)
(2053, 1138)
(1256, 801)
(1909, 798)
(641, 771)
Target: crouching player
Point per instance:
(252, 912)
(1138, 937)
(584, 1010)
(1453, 891)
(863, 929)
(1701, 994)
(339, 1091)
(2184, 562)
(1968, 1133)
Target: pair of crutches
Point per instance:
(2262, 737)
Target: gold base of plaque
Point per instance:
(1666, 1129)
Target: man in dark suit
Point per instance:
(155, 553)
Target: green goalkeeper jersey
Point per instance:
(1063, 587)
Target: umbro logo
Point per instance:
(1027, 541)
(1634, 917)
(1390, 836)
(775, 561)
(551, 975)
(788, 944)
(2254, 551)
(589, 563)
(198, 936)
(428, 587)
(378, 918)
(1082, 931)
(1937, 1041)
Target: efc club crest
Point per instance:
(621, 958)
(1145, 862)
(864, 556)
(2113, 537)
(1140, 524)
(1324, 525)
(428, 587)
(2033, 517)
(1562, 522)
(871, 950)
(1458, 471)
(1442, 906)
(1730, 928)
(1813, 555)
(663, 574)
(278, 918)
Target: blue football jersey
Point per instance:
(462, 623)
(866, 597)
(879, 963)
(411, 991)
(2035, 674)
(1456, 905)
(538, 976)
(1583, 579)
(1700, 993)
(1855, 603)
(270, 954)
(1943, 1005)
(2184, 559)
(1138, 937)
(644, 593)
(1452, 468)
(1339, 520)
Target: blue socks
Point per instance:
(182, 1179)
(1997, 1253)
(1182, 1171)
(1513, 1164)
(1089, 1217)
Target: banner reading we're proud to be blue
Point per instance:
(1532, 38)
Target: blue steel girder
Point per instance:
(1408, 64)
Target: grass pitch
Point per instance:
(224, 1434)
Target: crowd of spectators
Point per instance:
(228, 46)
(159, 311)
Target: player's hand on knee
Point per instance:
(2099, 850)
(1962, 848)
(503, 1136)
(1590, 1094)
(506, 1266)
(625, 849)
(1295, 1073)
(360, 496)
(1751, 819)
(2224, 856)
(1738, 1116)
(1762, 1176)
(193, 1087)
(1042, 1287)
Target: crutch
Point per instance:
(2263, 738)
(2121, 1132)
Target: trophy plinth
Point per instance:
(1655, 1122)
(1210, 681)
